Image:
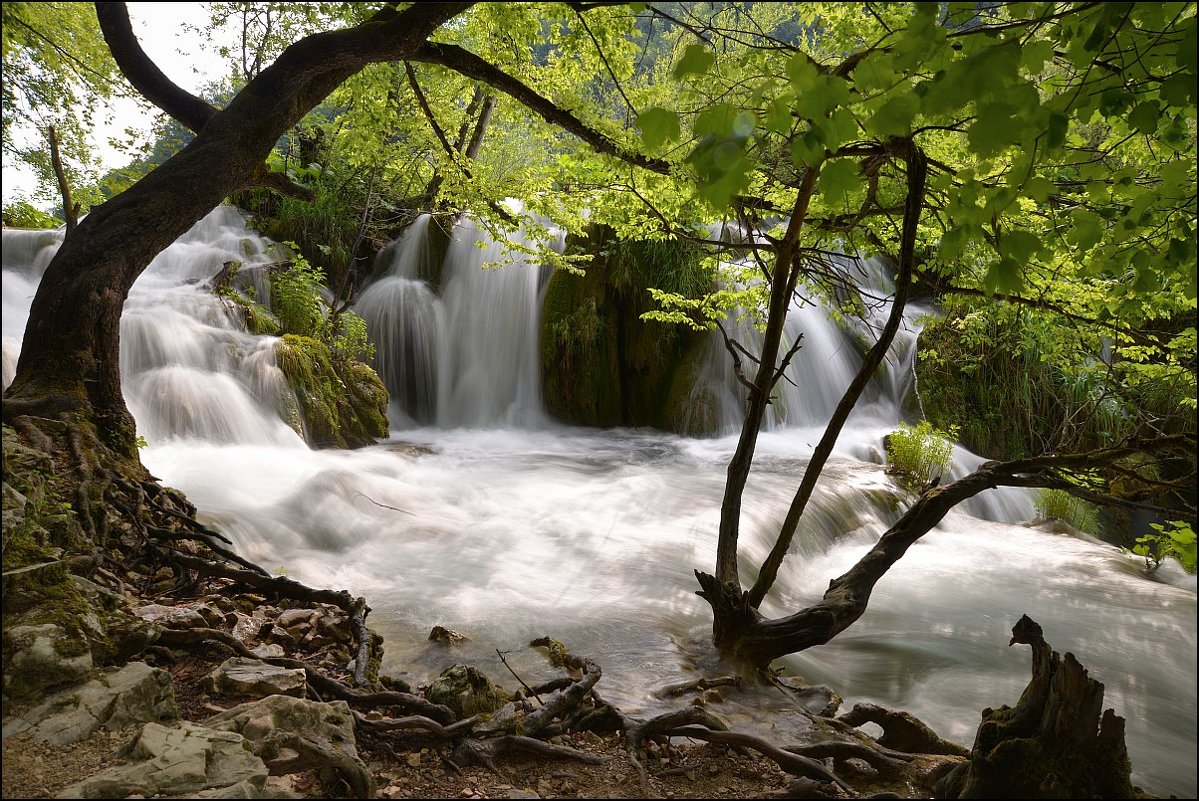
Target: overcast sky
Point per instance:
(178, 53)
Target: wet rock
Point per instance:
(448, 636)
(817, 699)
(293, 735)
(137, 693)
(466, 691)
(241, 676)
(186, 760)
(43, 656)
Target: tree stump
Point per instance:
(1057, 742)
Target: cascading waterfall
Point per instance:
(465, 356)
(513, 528)
(188, 367)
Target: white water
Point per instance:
(522, 528)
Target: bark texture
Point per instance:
(1057, 742)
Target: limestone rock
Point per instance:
(43, 656)
(137, 693)
(175, 617)
(241, 676)
(294, 734)
(183, 760)
(466, 691)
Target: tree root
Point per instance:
(415, 723)
(902, 731)
(794, 764)
(324, 685)
(484, 752)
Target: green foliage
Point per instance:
(918, 454)
(1054, 504)
(21, 214)
(350, 341)
(296, 300)
(57, 71)
(1177, 541)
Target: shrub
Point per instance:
(918, 454)
(1060, 505)
(1177, 541)
(296, 300)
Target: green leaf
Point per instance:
(837, 179)
(1038, 188)
(823, 93)
(1055, 135)
(894, 118)
(996, 128)
(716, 120)
(778, 116)
(696, 60)
(1019, 246)
(658, 126)
(1035, 54)
(801, 71)
(1179, 90)
(1004, 277)
(1145, 117)
(807, 150)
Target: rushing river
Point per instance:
(493, 521)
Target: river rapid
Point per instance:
(490, 519)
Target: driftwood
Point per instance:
(1057, 742)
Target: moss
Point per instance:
(342, 403)
(602, 364)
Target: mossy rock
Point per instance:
(341, 404)
(602, 365)
(466, 691)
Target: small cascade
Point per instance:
(825, 364)
(189, 369)
(457, 342)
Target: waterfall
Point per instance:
(487, 521)
(457, 340)
(829, 356)
(189, 368)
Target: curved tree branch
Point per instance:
(761, 640)
(467, 63)
(144, 74)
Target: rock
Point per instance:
(175, 617)
(294, 734)
(448, 636)
(186, 760)
(249, 628)
(241, 676)
(268, 651)
(466, 691)
(137, 693)
(336, 626)
(43, 656)
(818, 699)
(291, 618)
